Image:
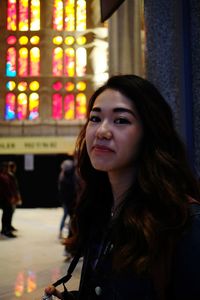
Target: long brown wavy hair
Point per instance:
(155, 209)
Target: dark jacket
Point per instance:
(98, 281)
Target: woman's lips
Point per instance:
(100, 148)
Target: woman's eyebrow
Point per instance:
(123, 109)
(116, 109)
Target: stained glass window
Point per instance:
(23, 15)
(11, 62)
(11, 40)
(35, 15)
(33, 106)
(10, 106)
(58, 15)
(10, 85)
(22, 86)
(81, 15)
(26, 12)
(11, 15)
(70, 40)
(69, 62)
(58, 61)
(81, 61)
(26, 107)
(69, 107)
(80, 106)
(69, 59)
(69, 21)
(22, 102)
(65, 14)
(34, 86)
(57, 107)
(23, 61)
(35, 61)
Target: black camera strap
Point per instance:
(70, 270)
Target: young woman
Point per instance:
(137, 222)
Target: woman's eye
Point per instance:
(94, 119)
(122, 121)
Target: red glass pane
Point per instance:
(57, 107)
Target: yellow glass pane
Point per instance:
(81, 86)
(81, 40)
(23, 40)
(69, 62)
(35, 40)
(69, 40)
(58, 61)
(69, 86)
(81, 15)
(23, 15)
(80, 106)
(57, 40)
(35, 61)
(81, 61)
(22, 86)
(35, 15)
(69, 107)
(34, 86)
(69, 15)
(58, 15)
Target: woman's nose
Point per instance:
(104, 131)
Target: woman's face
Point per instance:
(113, 133)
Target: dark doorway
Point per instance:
(38, 186)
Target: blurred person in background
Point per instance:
(66, 192)
(7, 200)
(14, 185)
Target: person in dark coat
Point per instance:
(7, 200)
(66, 190)
(137, 222)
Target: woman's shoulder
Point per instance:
(186, 261)
(195, 210)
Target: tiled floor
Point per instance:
(35, 258)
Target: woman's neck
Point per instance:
(120, 183)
